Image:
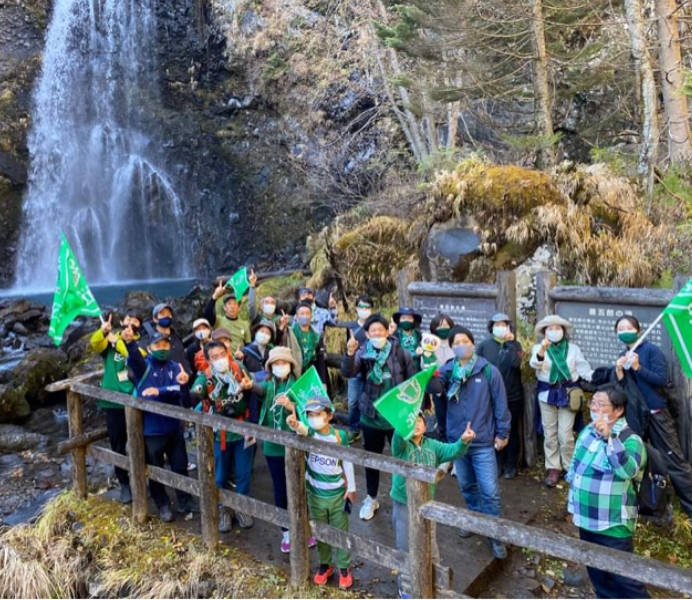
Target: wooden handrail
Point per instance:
(363, 458)
(66, 384)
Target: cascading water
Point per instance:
(96, 172)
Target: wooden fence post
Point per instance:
(138, 463)
(506, 301)
(76, 427)
(683, 390)
(545, 281)
(297, 517)
(419, 540)
(209, 493)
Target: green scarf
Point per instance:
(559, 369)
(379, 358)
(268, 407)
(307, 340)
(409, 341)
(460, 373)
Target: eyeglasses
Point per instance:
(605, 405)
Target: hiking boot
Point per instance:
(225, 519)
(353, 437)
(244, 521)
(323, 574)
(465, 533)
(498, 549)
(345, 579)
(286, 542)
(552, 478)
(125, 494)
(312, 542)
(166, 514)
(367, 510)
(510, 473)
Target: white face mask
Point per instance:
(555, 335)
(202, 334)
(269, 309)
(221, 364)
(262, 338)
(378, 342)
(596, 416)
(499, 332)
(363, 313)
(281, 371)
(317, 423)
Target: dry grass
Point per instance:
(79, 549)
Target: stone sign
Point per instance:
(473, 313)
(594, 329)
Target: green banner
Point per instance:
(72, 294)
(308, 386)
(240, 283)
(401, 405)
(677, 317)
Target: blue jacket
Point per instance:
(482, 400)
(652, 375)
(149, 372)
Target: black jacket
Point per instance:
(253, 360)
(178, 353)
(507, 358)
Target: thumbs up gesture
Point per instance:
(469, 434)
(352, 344)
(239, 353)
(182, 378)
(219, 291)
(246, 382)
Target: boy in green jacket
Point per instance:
(430, 453)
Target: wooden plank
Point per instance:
(297, 517)
(138, 463)
(545, 282)
(461, 290)
(83, 439)
(419, 540)
(66, 384)
(363, 458)
(109, 457)
(506, 301)
(209, 493)
(646, 570)
(530, 435)
(255, 508)
(175, 481)
(604, 295)
(76, 428)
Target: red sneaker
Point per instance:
(345, 579)
(323, 574)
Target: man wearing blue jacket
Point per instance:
(476, 394)
(159, 379)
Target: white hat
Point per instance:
(199, 322)
(543, 324)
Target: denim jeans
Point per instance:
(478, 480)
(355, 391)
(242, 463)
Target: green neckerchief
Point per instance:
(460, 373)
(379, 357)
(559, 369)
(409, 341)
(307, 340)
(271, 393)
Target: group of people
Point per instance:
(473, 421)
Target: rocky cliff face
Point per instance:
(268, 115)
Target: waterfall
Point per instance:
(96, 171)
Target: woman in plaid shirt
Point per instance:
(602, 495)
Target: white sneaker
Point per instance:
(286, 542)
(454, 470)
(367, 511)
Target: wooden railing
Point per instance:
(428, 580)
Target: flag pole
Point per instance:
(649, 329)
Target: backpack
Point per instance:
(653, 491)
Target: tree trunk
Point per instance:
(674, 101)
(642, 61)
(453, 111)
(542, 99)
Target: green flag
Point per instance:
(239, 282)
(72, 294)
(401, 405)
(678, 319)
(308, 386)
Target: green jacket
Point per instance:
(115, 373)
(430, 453)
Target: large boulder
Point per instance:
(13, 404)
(448, 251)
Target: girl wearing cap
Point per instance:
(559, 365)
(406, 326)
(282, 373)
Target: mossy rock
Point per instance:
(13, 405)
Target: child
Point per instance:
(423, 451)
(331, 487)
